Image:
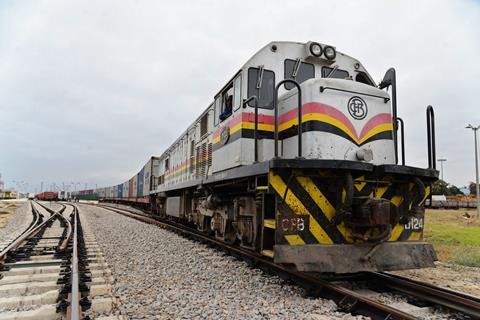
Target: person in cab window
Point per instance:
(227, 111)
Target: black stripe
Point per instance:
(308, 126)
(233, 137)
(404, 235)
(313, 208)
(314, 125)
(390, 192)
(384, 135)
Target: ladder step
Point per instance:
(260, 188)
(269, 223)
(267, 253)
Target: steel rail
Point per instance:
(53, 215)
(17, 240)
(74, 310)
(451, 299)
(25, 236)
(64, 244)
(50, 210)
(347, 300)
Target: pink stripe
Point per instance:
(315, 107)
(382, 118)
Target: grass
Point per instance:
(455, 238)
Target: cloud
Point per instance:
(88, 93)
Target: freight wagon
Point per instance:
(137, 189)
(47, 196)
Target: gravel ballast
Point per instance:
(17, 222)
(160, 275)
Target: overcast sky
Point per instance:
(90, 89)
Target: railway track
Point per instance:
(53, 270)
(35, 216)
(356, 302)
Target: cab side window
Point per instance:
(237, 92)
(218, 108)
(261, 83)
(229, 100)
(334, 73)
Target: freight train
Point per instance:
(301, 158)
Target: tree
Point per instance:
(453, 190)
(441, 187)
(473, 188)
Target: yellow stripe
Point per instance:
(261, 126)
(415, 236)
(377, 130)
(358, 184)
(381, 191)
(298, 208)
(310, 117)
(321, 201)
(396, 232)
(427, 193)
(294, 240)
(397, 200)
(269, 223)
(268, 253)
(319, 117)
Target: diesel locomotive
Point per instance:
(301, 158)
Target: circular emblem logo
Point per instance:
(224, 135)
(357, 108)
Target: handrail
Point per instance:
(402, 132)
(300, 124)
(385, 99)
(255, 130)
(432, 162)
(390, 79)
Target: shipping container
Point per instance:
(151, 174)
(134, 191)
(125, 189)
(101, 193)
(120, 191)
(130, 188)
(140, 182)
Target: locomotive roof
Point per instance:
(284, 49)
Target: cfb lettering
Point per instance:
(293, 224)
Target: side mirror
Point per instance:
(388, 79)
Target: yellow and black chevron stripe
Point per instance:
(318, 197)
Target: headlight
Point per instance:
(316, 49)
(329, 52)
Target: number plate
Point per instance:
(415, 224)
(293, 224)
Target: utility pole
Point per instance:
(441, 167)
(475, 129)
